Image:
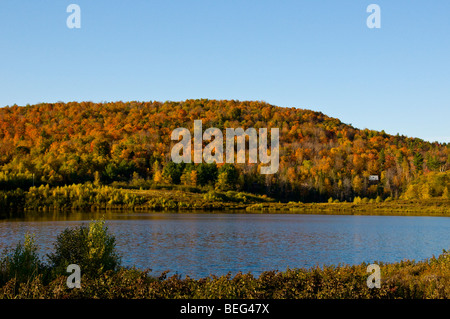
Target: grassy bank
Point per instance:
(91, 198)
(24, 275)
(423, 207)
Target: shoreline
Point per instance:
(399, 208)
(93, 198)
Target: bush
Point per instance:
(212, 196)
(91, 248)
(21, 263)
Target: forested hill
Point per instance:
(320, 157)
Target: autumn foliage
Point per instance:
(320, 157)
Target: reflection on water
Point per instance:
(199, 244)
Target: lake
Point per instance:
(200, 244)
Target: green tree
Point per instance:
(228, 178)
(418, 161)
(207, 173)
(433, 163)
(174, 171)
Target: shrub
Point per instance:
(212, 196)
(241, 197)
(22, 262)
(91, 248)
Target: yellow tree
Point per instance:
(157, 175)
(185, 178)
(410, 192)
(425, 191)
(193, 178)
(446, 194)
(357, 184)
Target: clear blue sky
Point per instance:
(311, 54)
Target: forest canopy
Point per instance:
(61, 144)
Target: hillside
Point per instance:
(128, 143)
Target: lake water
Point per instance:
(200, 244)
